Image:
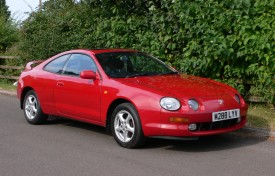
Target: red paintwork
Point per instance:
(87, 74)
(88, 100)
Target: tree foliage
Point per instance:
(8, 31)
(229, 40)
(4, 10)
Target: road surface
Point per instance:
(68, 148)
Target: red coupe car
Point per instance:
(129, 92)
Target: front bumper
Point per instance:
(204, 128)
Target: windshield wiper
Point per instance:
(169, 73)
(137, 74)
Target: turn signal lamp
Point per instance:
(178, 119)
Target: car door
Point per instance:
(76, 97)
(47, 82)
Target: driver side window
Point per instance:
(77, 63)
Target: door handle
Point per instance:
(60, 84)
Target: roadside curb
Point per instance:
(8, 92)
(254, 131)
(259, 132)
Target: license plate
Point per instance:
(225, 115)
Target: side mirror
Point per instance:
(88, 74)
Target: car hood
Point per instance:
(182, 85)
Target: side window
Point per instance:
(77, 63)
(57, 64)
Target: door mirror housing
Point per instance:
(88, 74)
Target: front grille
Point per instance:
(216, 125)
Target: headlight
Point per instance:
(193, 104)
(170, 104)
(237, 98)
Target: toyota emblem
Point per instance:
(220, 102)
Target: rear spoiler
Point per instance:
(32, 64)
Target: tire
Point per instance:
(126, 127)
(32, 109)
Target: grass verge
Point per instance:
(261, 116)
(7, 85)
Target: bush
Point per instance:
(8, 34)
(228, 40)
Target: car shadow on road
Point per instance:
(238, 139)
(76, 124)
(231, 140)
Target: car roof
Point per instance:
(99, 51)
(94, 51)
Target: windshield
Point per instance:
(132, 64)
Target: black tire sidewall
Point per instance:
(138, 137)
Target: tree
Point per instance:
(8, 34)
(8, 30)
(4, 10)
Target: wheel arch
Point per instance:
(110, 110)
(23, 94)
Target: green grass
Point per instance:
(7, 85)
(261, 116)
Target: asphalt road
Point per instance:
(67, 148)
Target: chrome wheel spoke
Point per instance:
(118, 128)
(27, 106)
(121, 119)
(129, 117)
(125, 136)
(30, 101)
(34, 102)
(130, 129)
(34, 109)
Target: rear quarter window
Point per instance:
(56, 65)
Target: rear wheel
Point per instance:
(126, 126)
(32, 109)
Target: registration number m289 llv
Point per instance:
(225, 115)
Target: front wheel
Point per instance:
(126, 126)
(32, 110)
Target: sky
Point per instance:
(20, 8)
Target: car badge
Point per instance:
(220, 102)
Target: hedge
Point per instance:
(232, 41)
